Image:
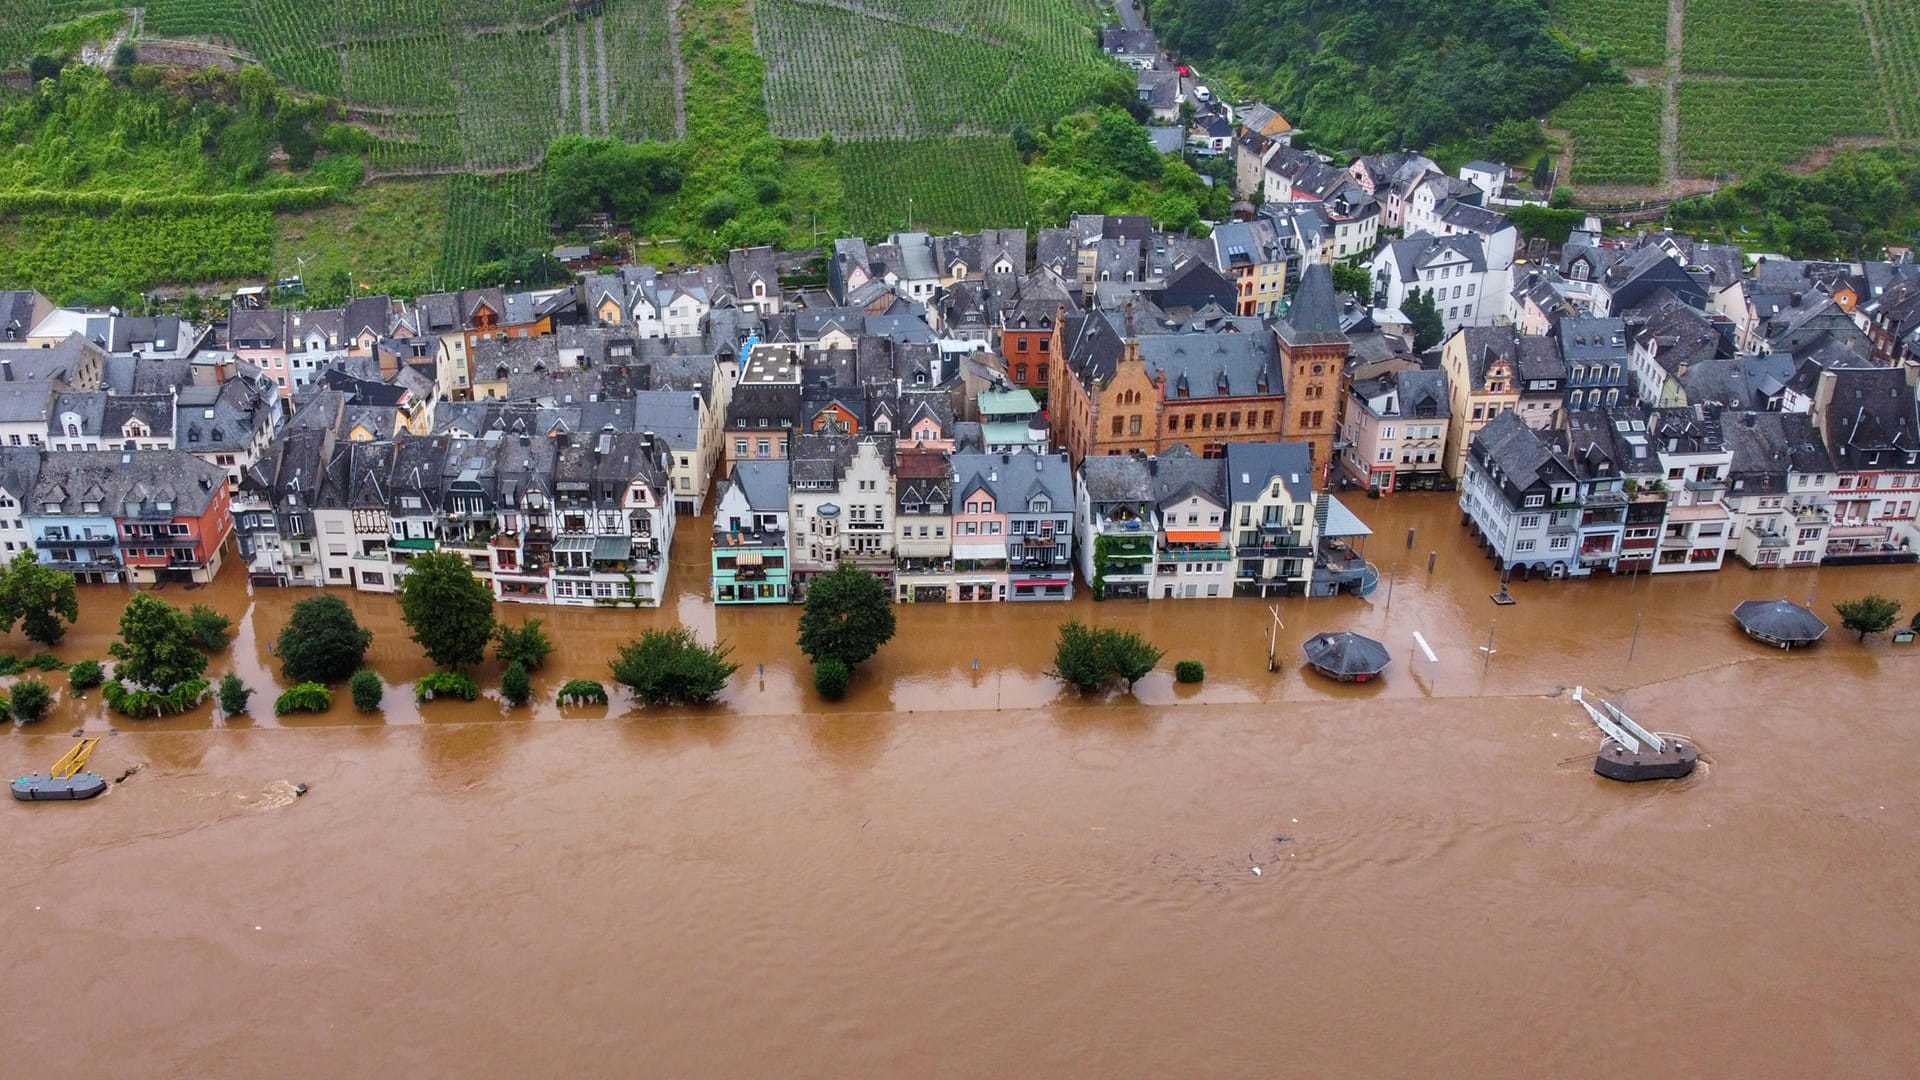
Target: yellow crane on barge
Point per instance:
(67, 780)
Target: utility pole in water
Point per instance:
(1273, 639)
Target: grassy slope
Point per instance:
(390, 232)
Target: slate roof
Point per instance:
(1517, 458)
(1179, 473)
(763, 484)
(153, 410)
(113, 478)
(1252, 466)
(1767, 445)
(1313, 316)
(1415, 252)
(1014, 480)
(1116, 478)
(1872, 410)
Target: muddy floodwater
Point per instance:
(961, 870)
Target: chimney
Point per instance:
(1129, 318)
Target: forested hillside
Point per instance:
(1383, 74)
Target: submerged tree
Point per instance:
(848, 616)
(1869, 614)
(39, 597)
(322, 641)
(671, 667)
(448, 609)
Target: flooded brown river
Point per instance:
(965, 872)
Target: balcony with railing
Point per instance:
(89, 540)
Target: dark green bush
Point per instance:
(514, 685)
(1189, 671)
(366, 689)
(830, 678)
(85, 675)
(31, 699)
(233, 694)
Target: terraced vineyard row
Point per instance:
(1895, 25)
(68, 255)
(1777, 38)
(965, 182)
(450, 83)
(488, 218)
(1735, 126)
(1616, 134)
(836, 67)
(1634, 32)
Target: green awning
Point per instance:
(424, 544)
(612, 549)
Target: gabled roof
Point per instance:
(1251, 467)
(1516, 458)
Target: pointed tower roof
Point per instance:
(1313, 318)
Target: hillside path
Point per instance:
(1670, 94)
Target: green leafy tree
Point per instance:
(211, 630)
(1079, 659)
(233, 694)
(1869, 614)
(1129, 655)
(847, 617)
(322, 641)
(448, 609)
(668, 667)
(514, 684)
(1428, 328)
(1088, 658)
(156, 647)
(1353, 278)
(31, 699)
(527, 644)
(366, 689)
(38, 597)
(830, 678)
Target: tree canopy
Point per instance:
(448, 609)
(38, 597)
(1087, 658)
(1382, 74)
(1869, 614)
(1428, 328)
(586, 176)
(671, 667)
(847, 617)
(156, 646)
(322, 641)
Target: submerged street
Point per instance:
(944, 873)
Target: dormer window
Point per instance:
(91, 508)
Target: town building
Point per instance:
(1270, 486)
(750, 535)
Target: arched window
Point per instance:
(1020, 373)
